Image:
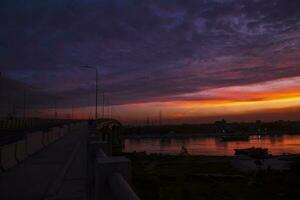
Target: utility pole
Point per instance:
(55, 112)
(111, 111)
(108, 108)
(103, 105)
(24, 104)
(148, 121)
(96, 83)
(160, 118)
(1, 94)
(72, 112)
(96, 114)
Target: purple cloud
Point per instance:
(147, 50)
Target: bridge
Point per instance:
(63, 160)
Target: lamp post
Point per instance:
(55, 110)
(1, 91)
(103, 105)
(24, 104)
(96, 83)
(26, 100)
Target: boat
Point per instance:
(253, 152)
(235, 137)
(184, 151)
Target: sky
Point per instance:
(191, 60)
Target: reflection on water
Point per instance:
(277, 145)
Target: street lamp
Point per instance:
(25, 99)
(96, 83)
(1, 88)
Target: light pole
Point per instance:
(96, 83)
(55, 110)
(72, 112)
(24, 104)
(1, 94)
(1, 91)
(25, 100)
(103, 105)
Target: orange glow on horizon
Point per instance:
(280, 94)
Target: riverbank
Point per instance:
(174, 177)
(199, 135)
(216, 128)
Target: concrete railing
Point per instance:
(29, 123)
(112, 178)
(120, 188)
(36, 141)
(15, 123)
(15, 152)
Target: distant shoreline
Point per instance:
(197, 135)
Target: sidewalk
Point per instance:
(34, 178)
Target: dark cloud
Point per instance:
(147, 50)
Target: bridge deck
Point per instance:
(57, 172)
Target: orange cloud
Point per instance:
(270, 95)
(281, 94)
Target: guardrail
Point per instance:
(109, 176)
(29, 123)
(120, 188)
(13, 153)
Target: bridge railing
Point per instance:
(14, 124)
(120, 188)
(112, 174)
(15, 150)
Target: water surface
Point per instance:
(277, 145)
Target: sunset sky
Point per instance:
(191, 60)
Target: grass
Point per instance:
(167, 177)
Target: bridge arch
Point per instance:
(108, 131)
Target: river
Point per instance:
(277, 145)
